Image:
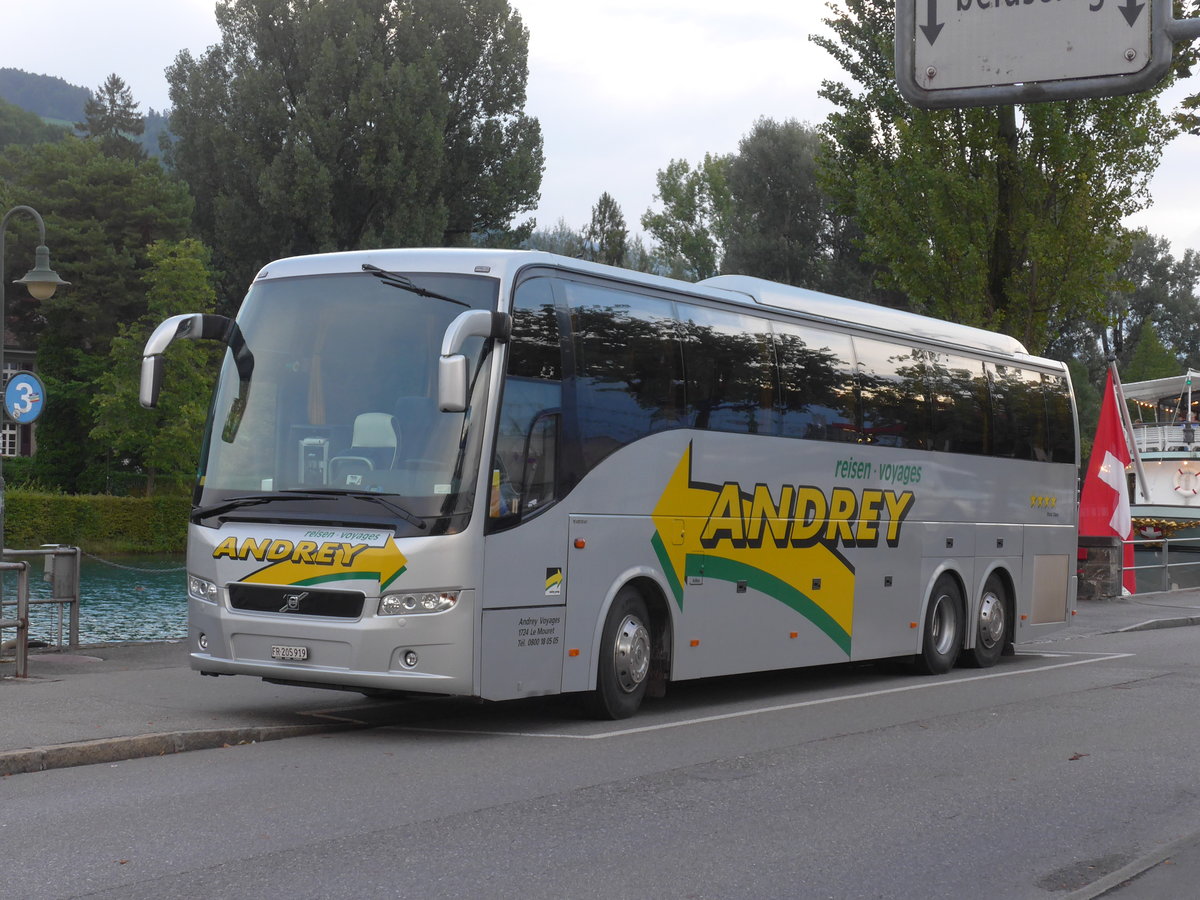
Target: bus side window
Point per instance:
(1018, 413)
(628, 367)
(958, 388)
(816, 384)
(731, 374)
(895, 395)
(1061, 422)
(528, 422)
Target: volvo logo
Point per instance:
(292, 601)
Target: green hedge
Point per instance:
(97, 523)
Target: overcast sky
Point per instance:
(621, 87)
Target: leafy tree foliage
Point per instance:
(112, 119)
(607, 237)
(983, 216)
(101, 215)
(1154, 287)
(782, 224)
(322, 125)
(1150, 358)
(561, 239)
(1188, 115)
(165, 440)
(691, 227)
(18, 126)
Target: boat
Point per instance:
(1166, 435)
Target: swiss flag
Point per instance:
(1104, 503)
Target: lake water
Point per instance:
(128, 598)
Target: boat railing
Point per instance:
(1166, 564)
(1165, 438)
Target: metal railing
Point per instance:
(62, 572)
(21, 622)
(1165, 438)
(1173, 575)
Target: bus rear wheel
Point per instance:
(992, 625)
(625, 648)
(943, 628)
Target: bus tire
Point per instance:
(625, 648)
(992, 625)
(943, 634)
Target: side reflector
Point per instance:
(580, 543)
(574, 651)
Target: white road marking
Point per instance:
(800, 704)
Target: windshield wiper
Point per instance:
(396, 280)
(216, 509)
(203, 512)
(387, 504)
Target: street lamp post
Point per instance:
(41, 281)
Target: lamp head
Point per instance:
(41, 280)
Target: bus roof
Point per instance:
(855, 312)
(736, 288)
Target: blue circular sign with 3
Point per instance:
(24, 397)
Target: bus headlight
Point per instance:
(417, 603)
(202, 589)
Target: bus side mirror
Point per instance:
(452, 365)
(193, 327)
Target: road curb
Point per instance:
(1139, 866)
(1155, 624)
(108, 750)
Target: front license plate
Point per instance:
(278, 652)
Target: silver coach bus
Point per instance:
(502, 474)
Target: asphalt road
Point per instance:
(1041, 778)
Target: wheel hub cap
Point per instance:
(632, 654)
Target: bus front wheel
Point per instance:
(943, 628)
(624, 658)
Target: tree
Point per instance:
(782, 224)
(1188, 115)
(165, 440)
(321, 125)
(111, 118)
(1000, 218)
(561, 239)
(690, 229)
(101, 213)
(1150, 358)
(17, 126)
(606, 236)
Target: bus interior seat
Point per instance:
(374, 445)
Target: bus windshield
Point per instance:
(330, 391)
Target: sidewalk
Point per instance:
(123, 701)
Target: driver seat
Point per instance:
(374, 444)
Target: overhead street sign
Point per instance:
(985, 52)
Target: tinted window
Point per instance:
(730, 366)
(893, 387)
(523, 469)
(1061, 421)
(628, 367)
(1018, 413)
(816, 384)
(959, 390)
